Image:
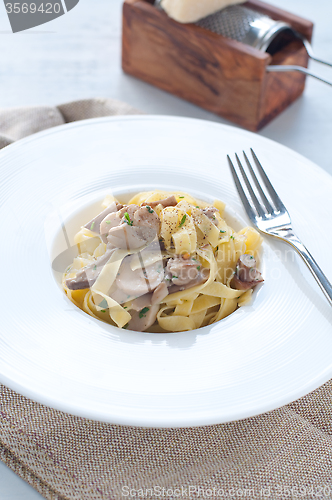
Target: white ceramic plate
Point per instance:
(259, 358)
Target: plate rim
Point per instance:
(144, 422)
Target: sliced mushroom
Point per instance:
(246, 275)
(144, 218)
(166, 202)
(159, 293)
(94, 224)
(209, 212)
(111, 220)
(130, 210)
(89, 274)
(140, 302)
(182, 271)
(181, 274)
(201, 278)
(138, 227)
(141, 281)
(142, 320)
(126, 237)
(150, 298)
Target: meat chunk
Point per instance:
(89, 274)
(94, 224)
(166, 202)
(246, 275)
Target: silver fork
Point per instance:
(273, 218)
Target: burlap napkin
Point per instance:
(283, 454)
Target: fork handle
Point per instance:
(318, 274)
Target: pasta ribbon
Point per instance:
(217, 289)
(253, 239)
(193, 237)
(103, 284)
(210, 230)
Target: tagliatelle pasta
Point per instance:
(164, 262)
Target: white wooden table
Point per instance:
(78, 56)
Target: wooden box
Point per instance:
(219, 74)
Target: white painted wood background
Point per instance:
(78, 56)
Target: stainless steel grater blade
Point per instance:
(244, 25)
(253, 28)
(257, 30)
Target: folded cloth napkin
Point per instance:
(16, 123)
(286, 453)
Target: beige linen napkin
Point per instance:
(286, 453)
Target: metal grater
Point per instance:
(253, 28)
(257, 30)
(244, 25)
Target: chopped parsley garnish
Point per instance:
(183, 220)
(107, 221)
(251, 257)
(222, 231)
(143, 312)
(197, 206)
(92, 226)
(126, 216)
(181, 196)
(232, 237)
(103, 311)
(149, 209)
(94, 267)
(125, 307)
(126, 326)
(198, 267)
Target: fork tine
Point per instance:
(247, 206)
(266, 202)
(275, 198)
(257, 204)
